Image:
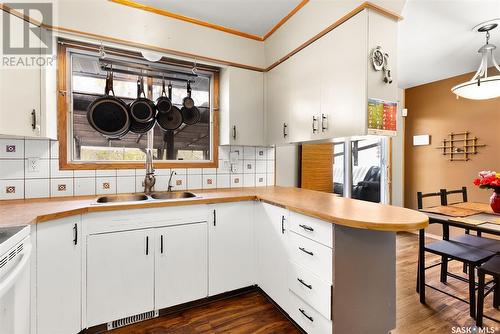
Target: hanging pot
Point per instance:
(108, 114)
(173, 118)
(190, 114)
(164, 102)
(143, 111)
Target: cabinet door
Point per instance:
(231, 252)
(58, 276)
(276, 100)
(120, 275)
(181, 264)
(20, 87)
(272, 255)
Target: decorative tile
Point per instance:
(12, 169)
(260, 166)
(261, 153)
(37, 188)
(179, 182)
(209, 181)
(43, 171)
(249, 166)
(249, 180)
(125, 184)
(194, 181)
(36, 149)
(84, 186)
(11, 189)
(55, 172)
(105, 185)
(236, 180)
(249, 152)
(260, 180)
(223, 181)
(11, 148)
(61, 187)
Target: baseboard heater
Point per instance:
(132, 319)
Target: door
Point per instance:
(231, 252)
(181, 264)
(20, 86)
(276, 100)
(58, 276)
(120, 275)
(272, 255)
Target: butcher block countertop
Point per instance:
(325, 206)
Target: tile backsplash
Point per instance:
(239, 166)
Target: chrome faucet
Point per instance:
(170, 181)
(150, 179)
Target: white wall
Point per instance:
(398, 155)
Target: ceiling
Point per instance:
(248, 16)
(436, 41)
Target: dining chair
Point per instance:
(492, 268)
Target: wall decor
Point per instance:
(382, 117)
(380, 62)
(460, 146)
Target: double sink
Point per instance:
(166, 196)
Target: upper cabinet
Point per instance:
(27, 91)
(241, 107)
(322, 91)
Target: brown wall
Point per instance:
(433, 109)
(317, 167)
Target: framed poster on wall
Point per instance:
(382, 117)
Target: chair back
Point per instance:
(445, 193)
(421, 196)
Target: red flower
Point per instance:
(477, 181)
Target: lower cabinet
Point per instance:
(59, 276)
(120, 275)
(231, 247)
(181, 264)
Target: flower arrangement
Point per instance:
(488, 180)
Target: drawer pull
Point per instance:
(309, 286)
(306, 315)
(306, 251)
(307, 228)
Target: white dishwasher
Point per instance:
(15, 253)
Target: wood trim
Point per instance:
(317, 167)
(62, 126)
(286, 18)
(364, 5)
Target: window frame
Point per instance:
(63, 121)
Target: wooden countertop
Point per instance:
(325, 206)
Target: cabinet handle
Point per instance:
(33, 119)
(315, 124)
(307, 228)
(215, 218)
(75, 234)
(282, 224)
(234, 132)
(306, 251)
(285, 130)
(161, 244)
(309, 286)
(324, 122)
(306, 315)
(147, 245)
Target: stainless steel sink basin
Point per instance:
(122, 198)
(174, 195)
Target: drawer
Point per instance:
(312, 228)
(310, 288)
(311, 255)
(307, 317)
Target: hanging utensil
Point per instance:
(190, 114)
(108, 114)
(163, 103)
(173, 118)
(143, 111)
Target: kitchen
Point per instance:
(186, 167)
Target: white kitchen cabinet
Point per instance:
(181, 264)
(277, 104)
(231, 253)
(272, 252)
(59, 276)
(241, 107)
(27, 93)
(120, 275)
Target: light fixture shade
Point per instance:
(151, 55)
(488, 88)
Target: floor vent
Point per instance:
(132, 319)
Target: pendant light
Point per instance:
(482, 86)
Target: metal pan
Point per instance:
(164, 102)
(173, 118)
(190, 114)
(142, 109)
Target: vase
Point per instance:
(495, 201)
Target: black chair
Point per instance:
(369, 188)
(468, 255)
(492, 268)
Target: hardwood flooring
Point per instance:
(253, 313)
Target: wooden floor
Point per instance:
(253, 313)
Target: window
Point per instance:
(84, 81)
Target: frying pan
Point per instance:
(190, 114)
(108, 114)
(142, 109)
(164, 102)
(173, 118)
